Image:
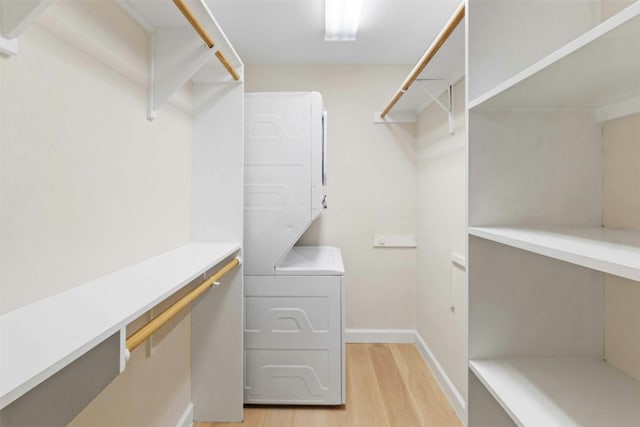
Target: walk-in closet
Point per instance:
(319, 213)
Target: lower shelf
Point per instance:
(561, 392)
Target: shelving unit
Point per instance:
(70, 324)
(540, 252)
(178, 54)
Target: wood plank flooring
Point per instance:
(388, 385)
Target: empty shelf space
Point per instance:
(561, 392)
(609, 250)
(597, 70)
(39, 339)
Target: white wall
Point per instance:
(621, 196)
(441, 204)
(371, 184)
(608, 8)
(88, 186)
(85, 188)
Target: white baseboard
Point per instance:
(380, 336)
(186, 420)
(455, 399)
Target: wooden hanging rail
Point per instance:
(448, 29)
(202, 32)
(150, 328)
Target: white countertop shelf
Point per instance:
(597, 70)
(561, 392)
(39, 339)
(609, 250)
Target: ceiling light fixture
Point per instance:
(341, 19)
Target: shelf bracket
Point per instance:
(447, 109)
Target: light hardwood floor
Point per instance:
(388, 385)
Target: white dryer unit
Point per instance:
(294, 296)
(284, 173)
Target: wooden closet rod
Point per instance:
(448, 29)
(202, 32)
(150, 328)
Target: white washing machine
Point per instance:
(294, 320)
(294, 295)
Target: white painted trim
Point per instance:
(186, 420)
(380, 336)
(455, 399)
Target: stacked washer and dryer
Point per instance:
(294, 295)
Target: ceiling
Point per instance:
(292, 31)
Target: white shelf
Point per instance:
(39, 339)
(611, 251)
(561, 392)
(570, 78)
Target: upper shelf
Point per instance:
(178, 53)
(608, 250)
(39, 339)
(599, 69)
